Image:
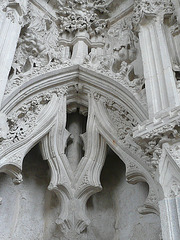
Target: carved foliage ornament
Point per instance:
(115, 59)
(123, 123)
(119, 123)
(151, 8)
(15, 9)
(122, 120)
(152, 141)
(38, 51)
(72, 187)
(80, 15)
(26, 124)
(22, 121)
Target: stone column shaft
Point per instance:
(160, 80)
(170, 218)
(10, 27)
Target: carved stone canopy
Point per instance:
(107, 63)
(39, 115)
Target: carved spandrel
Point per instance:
(38, 51)
(123, 125)
(116, 58)
(111, 55)
(135, 169)
(15, 10)
(23, 122)
(72, 18)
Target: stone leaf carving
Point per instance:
(16, 146)
(45, 45)
(115, 59)
(42, 47)
(122, 120)
(152, 8)
(136, 170)
(151, 141)
(30, 123)
(74, 15)
(15, 10)
(38, 50)
(23, 120)
(123, 123)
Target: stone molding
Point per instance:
(83, 59)
(61, 50)
(152, 8)
(49, 114)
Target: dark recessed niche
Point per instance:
(76, 125)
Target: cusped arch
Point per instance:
(37, 112)
(79, 81)
(76, 79)
(136, 169)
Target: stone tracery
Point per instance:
(76, 58)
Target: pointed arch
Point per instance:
(37, 112)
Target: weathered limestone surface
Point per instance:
(78, 78)
(116, 207)
(30, 210)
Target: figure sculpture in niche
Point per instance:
(124, 49)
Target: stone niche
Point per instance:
(114, 210)
(28, 210)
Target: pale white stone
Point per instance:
(85, 59)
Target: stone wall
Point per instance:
(29, 209)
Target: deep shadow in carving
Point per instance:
(76, 125)
(113, 211)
